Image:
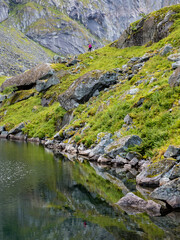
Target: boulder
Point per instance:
(17, 129)
(119, 160)
(103, 142)
(28, 78)
(174, 79)
(176, 65)
(2, 128)
(103, 159)
(4, 134)
(42, 85)
(134, 161)
(131, 155)
(175, 173)
(174, 57)
(172, 151)
(168, 48)
(120, 146)
(147, 30)
(170, 192)
(84, 87)
(153, 172)
(2, 98)
(128, 120)
(133, 203)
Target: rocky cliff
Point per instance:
(67, 26)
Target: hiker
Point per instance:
(89, 47)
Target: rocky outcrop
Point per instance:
(146, 31)
(32, 77)
(84, 87)
(134, 204)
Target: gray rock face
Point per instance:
(120, 146)
(84, 87)
(174, 79)
(132, 203)
(75, 23)
(4, 10)
(147, 30)
(169, 192)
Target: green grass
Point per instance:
(153, 122)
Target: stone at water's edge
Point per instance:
(132, 203)
(169, 192)
(120, 146)
(153, 171)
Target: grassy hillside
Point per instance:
(156, 121)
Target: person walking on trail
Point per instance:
(89, 47)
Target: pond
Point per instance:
(43, 196)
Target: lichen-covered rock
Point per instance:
(128, 120)
(168, 48)
(84, 87)
(169, 192)
(120, 146)
(174, 79)
(153, 172)
(147, 30)
(29, 78)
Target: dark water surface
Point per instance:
(48, 197)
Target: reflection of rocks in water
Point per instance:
(87, 200)
(170, 224)
(74, 228)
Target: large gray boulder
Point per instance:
(152, 173)
(84, 87)
(169, 192)
(29, 78)
(120, 146)
(42, 85)
(174, 79)
(132, 203)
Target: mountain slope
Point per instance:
(141, 90)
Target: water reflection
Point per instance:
(42, 197)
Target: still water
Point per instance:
(48, 197)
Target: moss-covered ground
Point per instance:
(156, 121)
